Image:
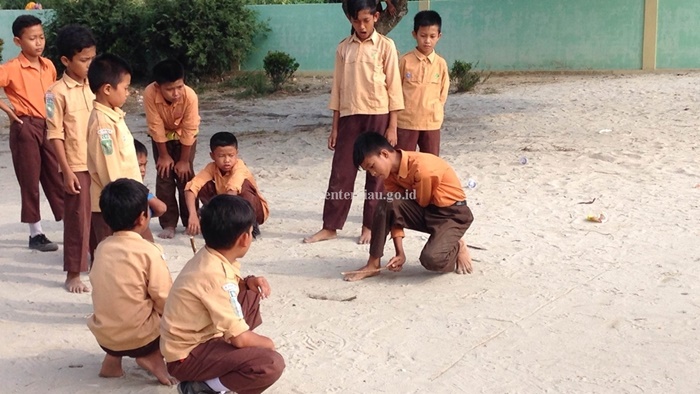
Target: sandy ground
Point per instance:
(556, 304)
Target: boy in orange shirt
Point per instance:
(25, 80)
(68, 106)
(366, 96)
(172, 114)
(226, 175)
(426, 81)
(423, 193)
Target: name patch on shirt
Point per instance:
(106, 141)
(232, 290)
(50, 104)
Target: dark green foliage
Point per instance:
(2, 43)
(463, 77)
(249, 84)
(279, 66)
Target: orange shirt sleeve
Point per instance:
(240, 174)
(4, 76)
(156, 127)
(201, 179)
(393, 78)
(190, 119)
(224, 310)
(425, 182)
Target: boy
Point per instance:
(424, 194)
(172, 114)
(110, 146)
(207, 328)
(25, 80)
(366, 95)
(68, 107)
(157, 207)
(226, 175)
(426, 81)
(131, 282)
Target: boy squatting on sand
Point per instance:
(68, 106)
(439, 208)
(207, 328)
(25, 80)
(131, 282)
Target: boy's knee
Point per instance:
(277, 366)
(433, 261)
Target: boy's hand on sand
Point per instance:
(182, 170)
(70, 183)
(391, 136)
(332, 138)
(259, 284)
(164, 165)
(193, 225)
(396, 263)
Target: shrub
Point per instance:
(463, 77)
(2, 43)
(249, 84)
(279, 66)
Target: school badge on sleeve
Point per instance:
(232, 290)
(106, 141)
(50, 104)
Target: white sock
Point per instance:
(216, 385)
(35, 229)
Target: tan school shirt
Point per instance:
(171, 121)
(68, 107)
(111, 151)
(434, 181)
(202, 305)
(130, 283)
(366, 77)
(25, 84)
(233, 181)
(425, 81)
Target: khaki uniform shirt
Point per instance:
(233, 181)
(366, 77)
(203, 304)
(430, 177)
(425, 81)
(26, 85)
(111, 151)
(68, 107)
(130, 283)
(176, 121)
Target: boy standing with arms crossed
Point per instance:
(68, 107)
(366, 96)
(172, 114)
(206, 331)
(110, 145)
(426, 196)
(426, 81)
(25, 80)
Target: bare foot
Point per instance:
(365, 236)
(322, 235)
(367, 271)
(155, 364)
(111, 367)
(74, 284)
(167, 233)
(464, 260)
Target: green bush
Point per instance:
(463, 77)
(252, 83)
(279, 66)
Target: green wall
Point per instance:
(678, 41)
(11, 50)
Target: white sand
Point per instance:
(556, 304)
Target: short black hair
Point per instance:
(22, 22)
(224, 219)
(107, 69)
(222, 138)
(355, 6)
(368, 144)
(73, 39)
(122, 202)
(140, 148)
(427, 18)
(168, 71)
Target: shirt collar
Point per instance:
(25, 63)
(236, 265)
(72, 83)
(403, 166)
(115, 114)
(128, 234)
(373, 37)
(421, 57)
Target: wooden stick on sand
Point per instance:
(363, 271)
(194, 248)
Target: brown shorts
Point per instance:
(143, 351)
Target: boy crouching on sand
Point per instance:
(130, 284)
(426, 196)
(206, 331)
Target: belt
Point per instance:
(460, 203)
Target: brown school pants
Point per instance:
(249, 370)
(248, 193)
(341, 184)
(167, 187)
(35, 162)
(446, 226)
(76, 226)
(427, 140)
